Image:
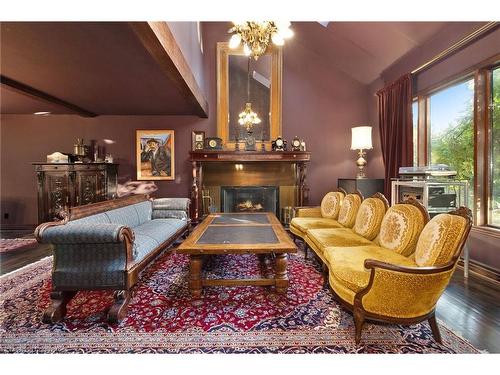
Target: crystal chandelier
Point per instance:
(248, 118)
(257, 35)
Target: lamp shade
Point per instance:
(361, 138)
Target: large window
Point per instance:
(451, 129)
(494, 215)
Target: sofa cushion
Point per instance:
(143, 210)
(439, 240)
(330, 204)
(347, 263)
(325, 237)
(92, 219)
(303, 224)
(369, 217)
(124, 215)
(400, 228)
(160, 229)
(143, 245)
(349, 210)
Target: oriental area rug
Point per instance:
(164, 318)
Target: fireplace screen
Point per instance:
(250, 199)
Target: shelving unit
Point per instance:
(437, 195)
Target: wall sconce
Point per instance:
(238, 167)
(361, 140)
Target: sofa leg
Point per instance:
(435, 329)
(306, 250)
(57, 309)
(119, 309)
(359, 321)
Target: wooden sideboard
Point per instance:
(65, 185)
(293, 161)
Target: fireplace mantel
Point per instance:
(243, 156)
(286, 169)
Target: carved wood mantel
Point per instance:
(201, 159)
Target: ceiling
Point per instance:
(363, 50)
(101, 67)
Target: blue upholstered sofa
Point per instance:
(105, 246)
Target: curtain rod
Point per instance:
(483, 30)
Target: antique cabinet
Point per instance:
(65, 185)
(366, 186)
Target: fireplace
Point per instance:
(250, 199)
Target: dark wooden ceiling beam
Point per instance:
(40, 95)
(162, 46)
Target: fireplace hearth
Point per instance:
(250, 199)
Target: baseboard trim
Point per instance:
(27, 227)
(482, 270)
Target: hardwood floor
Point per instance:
(471, 309)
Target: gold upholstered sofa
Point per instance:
(389, 264)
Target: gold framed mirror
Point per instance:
(234, 72)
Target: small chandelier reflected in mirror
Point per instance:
(248, 118)
(257, 35)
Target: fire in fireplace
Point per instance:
(250, 199)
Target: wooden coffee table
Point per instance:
(238, 233)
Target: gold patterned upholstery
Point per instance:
(317, 217)
(300, 225)
(319, 239)
(346, 265)
(349, 210)
(439, 239)
(369, 217)
(330, 204)
(400, 228)
(391, 282)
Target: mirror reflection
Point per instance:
(249, 81)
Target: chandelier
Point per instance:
(257, 35)
(248, 118)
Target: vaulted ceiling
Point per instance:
(363, 50)
(119, 67)
(90, 68)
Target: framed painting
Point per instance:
(155, 154)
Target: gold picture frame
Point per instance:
(155, 154)
(223, 52)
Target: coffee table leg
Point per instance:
(281, 277)
(195, 275)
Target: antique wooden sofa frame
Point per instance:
(60, 298)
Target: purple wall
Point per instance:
(483, 248)
(320, 104)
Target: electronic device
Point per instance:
(432, 171)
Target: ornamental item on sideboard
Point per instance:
(296, 144)
(303, 145)
(57, 157)
(197, 140)
(213, 143)
(279, 144)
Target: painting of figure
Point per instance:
(155, 155)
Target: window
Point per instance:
(414, 109)
(451, 130)
(494, 214)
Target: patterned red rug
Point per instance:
(163, 318)
(10, 244)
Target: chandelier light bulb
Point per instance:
(286, 33)
(234, 42)
(278, 39)
(282, 25)
(246, 50)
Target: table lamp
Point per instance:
(361, 140)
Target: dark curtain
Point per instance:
(395, 123)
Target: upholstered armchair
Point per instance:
(324, 216)
(386, 285)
